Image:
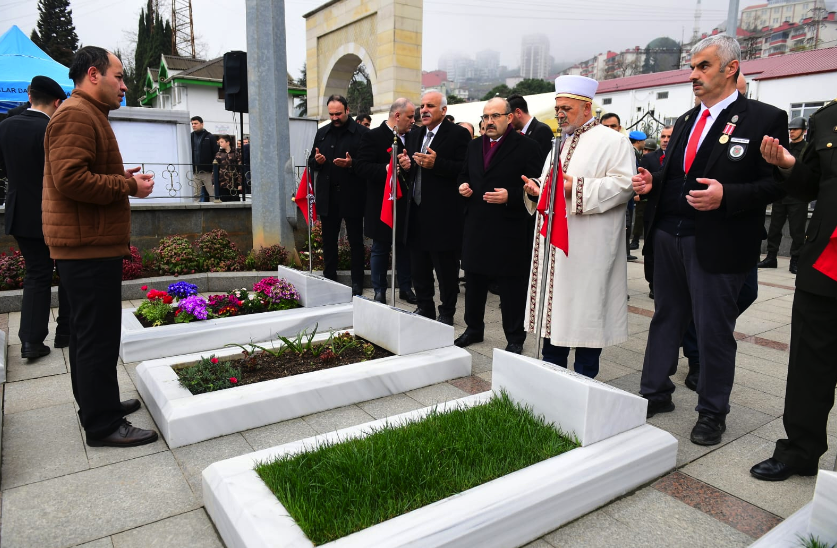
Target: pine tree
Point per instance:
(153, 39)
(55, 32)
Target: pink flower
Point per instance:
(233, 380)
(214, 360)
(144, 287)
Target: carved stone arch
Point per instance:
(340, 68)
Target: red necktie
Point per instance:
(691, 149)
(662, 158)
(521, 132)
(491, 145)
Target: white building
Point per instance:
(535, 61)
(776, 12)
(798, 83)
(487, 65)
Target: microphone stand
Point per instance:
(394, 197)
(558, 144)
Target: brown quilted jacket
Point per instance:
(86, 212)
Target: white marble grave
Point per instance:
(315, 290)
(4, 354)
(507, 512)
(397, 330)
(184, 418)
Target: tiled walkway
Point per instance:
(57, 492)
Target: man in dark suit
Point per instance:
(530, 126)
(653, 162)
(204, 149)
(812, 367)
(22, 154)
(497, 240)
(340, 190)
(706, 221)
(433, 160)
(371, 163)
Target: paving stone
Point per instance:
(437, 393)
(101, 543)
(540, 543)
(479, 362)
(596, 529)
(102, 456)
(194, 458)
(760, 366)
(40, 444)
(728, 469)
(486, 376)
(755, 326)
(193, 529)
(755, 399)
(92, 504)
(36, 393)
(19, 369)
(763, 352)
(609, 371)
(335, 419)
(689, 452)
(278, 434)
(624, 357)
(390, 405)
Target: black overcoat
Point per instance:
(22, 154)
(542, 134)
(335, 143)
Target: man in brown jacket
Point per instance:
(87, 225)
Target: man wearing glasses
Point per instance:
(497, 242)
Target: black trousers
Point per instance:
(796, 215)
(683, 290)
(639, 220)
(331, 233)
(446, 265)
(512, 303)
(94, 289)
(812, 377)
(37, 293)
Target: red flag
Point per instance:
(386, 204)
(305, 189)
(560, 236)
(827, 261)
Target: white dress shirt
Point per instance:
(714, 111)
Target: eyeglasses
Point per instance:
(495, 116)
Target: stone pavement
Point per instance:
(57, 492)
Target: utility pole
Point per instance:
(732, 19)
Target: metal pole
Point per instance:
(394, 197)
(542, 281)
(732, 19)
(309, 197)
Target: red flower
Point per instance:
(213, 360)
(144, 287)
(168, 299)
(233, 380)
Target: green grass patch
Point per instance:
(344, 487)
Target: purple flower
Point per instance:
(181, 290)
(194, 305)
(283, 290)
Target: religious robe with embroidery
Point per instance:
(587, 291)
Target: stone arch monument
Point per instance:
(383, 35)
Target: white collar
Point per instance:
(41, 111)
(434, 129)
(718, 107)
(526, 127)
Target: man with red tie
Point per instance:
(706, 222)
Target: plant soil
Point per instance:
(168, 321)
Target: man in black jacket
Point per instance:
(498, 232)
(371, 163)
(433, 160)
(706, 221)
(812, 367)
(204, 149)
(22, 154)
(529, 126)
(340, 190)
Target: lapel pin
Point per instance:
(734, 119)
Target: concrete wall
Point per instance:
(781, 92)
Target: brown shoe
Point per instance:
(129, 406)
(125, 436)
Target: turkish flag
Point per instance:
(305, 189)
(827, 261)
(560, 236)
(386, 204)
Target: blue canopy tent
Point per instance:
(20, 61)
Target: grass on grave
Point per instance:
(344, 487)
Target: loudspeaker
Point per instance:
(235, 81)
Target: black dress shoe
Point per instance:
(494, 288)
(408, 295)
(31, 351)
(468, 338)
(125, 436)
(516, 348)
(447, 320)
(651, 294)
(634, 245)
(793, 267)
(61, 341)
(693, 375)
(129, 406)
(357, 289)
(774, 470)
(380, 296)
(631, 257)
(427, 313)
(708, 430)
(768, 262)
(659, 406)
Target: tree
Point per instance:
(497, 91)
(359, 95)
(154, 38)
(302, 82)
(532, 86)
(55, 33)
(454, 100)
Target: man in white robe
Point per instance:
(586, 292)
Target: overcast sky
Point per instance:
(577, 30)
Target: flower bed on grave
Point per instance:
(160, 328)
(422, 354)
(618, 453)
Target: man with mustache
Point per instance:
(587, 289)
(705, 222)
(433, 159)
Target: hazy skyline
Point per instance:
(576, 32)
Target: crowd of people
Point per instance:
(220, 165)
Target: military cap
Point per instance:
(637, 136)
(48, 86)
(650, 144)
(798, 123)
